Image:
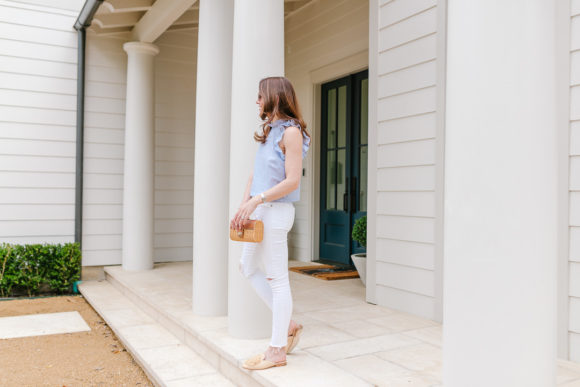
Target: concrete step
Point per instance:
(159, 294)
(165, 359)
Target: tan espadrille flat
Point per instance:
(293, 338)
(259, 362)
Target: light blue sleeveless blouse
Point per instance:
(269, 167)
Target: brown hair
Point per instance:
(279, 101)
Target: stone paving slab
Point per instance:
(165, 360)
(209, 335)
(42, 324)
(346, 341)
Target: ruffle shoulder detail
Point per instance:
(278, 133)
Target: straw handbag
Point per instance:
(253, 232)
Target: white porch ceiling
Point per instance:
(145, 20)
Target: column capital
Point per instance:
(141, 48)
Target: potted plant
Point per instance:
(359, 234)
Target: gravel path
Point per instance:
(94, 358)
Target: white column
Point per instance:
(500, 242)
(138, 187)
(258, 52)
(212, 160)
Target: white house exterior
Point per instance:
(473, 150)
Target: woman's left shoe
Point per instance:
(259, 362)
(293, 338)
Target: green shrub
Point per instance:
(359, 231)
(26, 269)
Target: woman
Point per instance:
(271, 190)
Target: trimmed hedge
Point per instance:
(34, 269)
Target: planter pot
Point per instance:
(360, 262)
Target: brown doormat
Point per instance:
(327, 272)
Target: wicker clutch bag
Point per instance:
(253, 232)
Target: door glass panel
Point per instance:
(341, 179)
(364, 112)
(363, 178)
(330, 179)
(341, 116)
(331, 118)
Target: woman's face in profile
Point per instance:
(260, 103)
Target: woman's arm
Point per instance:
(293, 167)
(248, 187)
(245, 199)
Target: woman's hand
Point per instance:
(244, 212)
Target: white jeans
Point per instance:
(272, 284)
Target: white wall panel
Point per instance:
(36, 230)
(421, 50)
(575, 33)
(408, 29)
(407, 129)
(31, 196)
(405, 228)
(406, 203)
(574, 319)
(420, 178)
(175, 72)
(574, 108)
(411, 302)
(38, 67)
(574, 184)
(405, 154)
(408, 79)
(102, 227)
(42, 211)
(397, 10)
(575, 136)
(406, 253)
(575, 209)
(407, 102)
(101, 257)
(17, 12)
(35, 179)
(10, 129)
(574, 251)
(574, 279)
(574, 173)
(407, 278)
(38, 51)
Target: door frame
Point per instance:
(346, 219)
(342, 68)
(352, 76)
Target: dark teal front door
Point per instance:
(343, 177)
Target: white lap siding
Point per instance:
(406, 154)
(175, 74)
(104, 148)
(38, 57)
(574, 248)
(106, 73)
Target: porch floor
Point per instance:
(345, 341)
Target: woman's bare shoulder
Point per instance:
(294, 131)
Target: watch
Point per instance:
(263, 197)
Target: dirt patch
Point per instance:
(94, 358)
